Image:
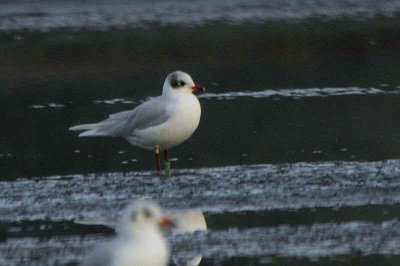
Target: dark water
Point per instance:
(295, 161)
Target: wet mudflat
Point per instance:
(295, 162)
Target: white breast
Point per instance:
(150, 251)
(184, 117)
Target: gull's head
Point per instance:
(180, 82)
(143, 216)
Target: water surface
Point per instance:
(295, 161)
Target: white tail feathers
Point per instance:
(93, 130)
(91, 133)
(109, 127)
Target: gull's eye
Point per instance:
(177, 83)
(147, 213)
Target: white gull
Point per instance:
(157, 124)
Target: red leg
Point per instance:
(166, 158)
(157, 154)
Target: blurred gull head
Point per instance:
(141, 217)
(139, 241)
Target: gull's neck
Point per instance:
(171, 93)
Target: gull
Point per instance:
(183, 222)
(139, 241)
(157, 124)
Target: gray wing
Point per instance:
(148, 114)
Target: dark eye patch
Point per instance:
(147, 213)
(177, 83)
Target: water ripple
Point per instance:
(101, 15)
(212, 190)
(300, 93)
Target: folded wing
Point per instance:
(149, 114)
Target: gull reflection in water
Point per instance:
(188, 222)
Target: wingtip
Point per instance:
(85, 134)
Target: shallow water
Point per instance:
(288, 211)
(295, 161)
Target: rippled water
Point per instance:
(302, 210)
(45, 15)
(296, 159)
